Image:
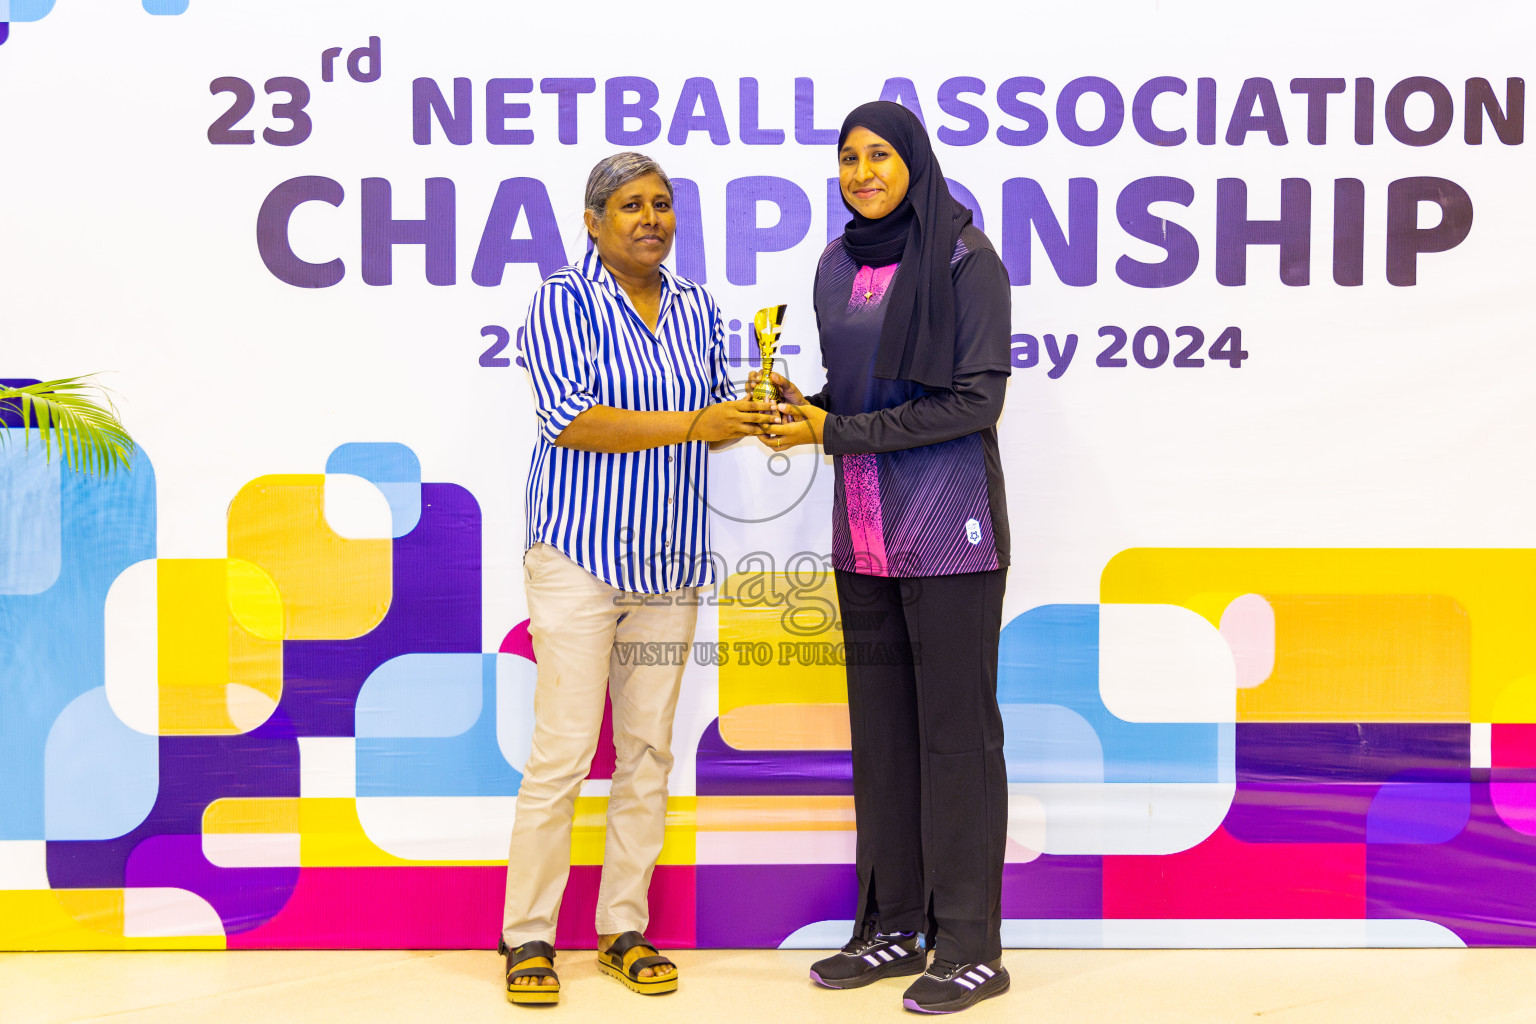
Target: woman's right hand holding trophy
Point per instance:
(791, 395)
(794, 421)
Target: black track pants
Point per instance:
(930, 786)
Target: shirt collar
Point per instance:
(591, 267)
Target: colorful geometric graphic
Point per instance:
(300, 742)
(194, 646)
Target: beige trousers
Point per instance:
(578, 624)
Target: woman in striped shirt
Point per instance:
(630, 383)
(913, 306)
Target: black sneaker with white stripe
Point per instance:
(947, 987)
(869, 957)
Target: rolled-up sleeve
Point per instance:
(558, 351)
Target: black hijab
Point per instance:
(917, 337)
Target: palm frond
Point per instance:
(76, 415)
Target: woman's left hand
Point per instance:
(802, 425)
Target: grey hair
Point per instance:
(613, 173)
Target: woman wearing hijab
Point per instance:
(913, 308)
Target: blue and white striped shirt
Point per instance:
(637, 521)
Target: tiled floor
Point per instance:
(1056, 986)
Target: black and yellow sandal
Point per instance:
(531, 995)
(626, 958)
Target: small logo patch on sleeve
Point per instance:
(973, 531)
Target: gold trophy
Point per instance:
(767, 322)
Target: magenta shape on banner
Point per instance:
(673, 898)
(1515, 803)
(1224, 878)
(448, 908)
(518, 641)
(386, 908)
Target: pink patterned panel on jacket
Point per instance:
(861, 484)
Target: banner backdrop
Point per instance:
(1268, 668)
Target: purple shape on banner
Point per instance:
(725, 771)
(1054, 886)
(1314, 782)
(194, 772)
(756, 905)
(435, 608)
(5, 31)
(1300, 812)
(10, 410)
(761, 905)
(1346, 751)
(1413, 811)
(1477, 884)
(245, 898)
